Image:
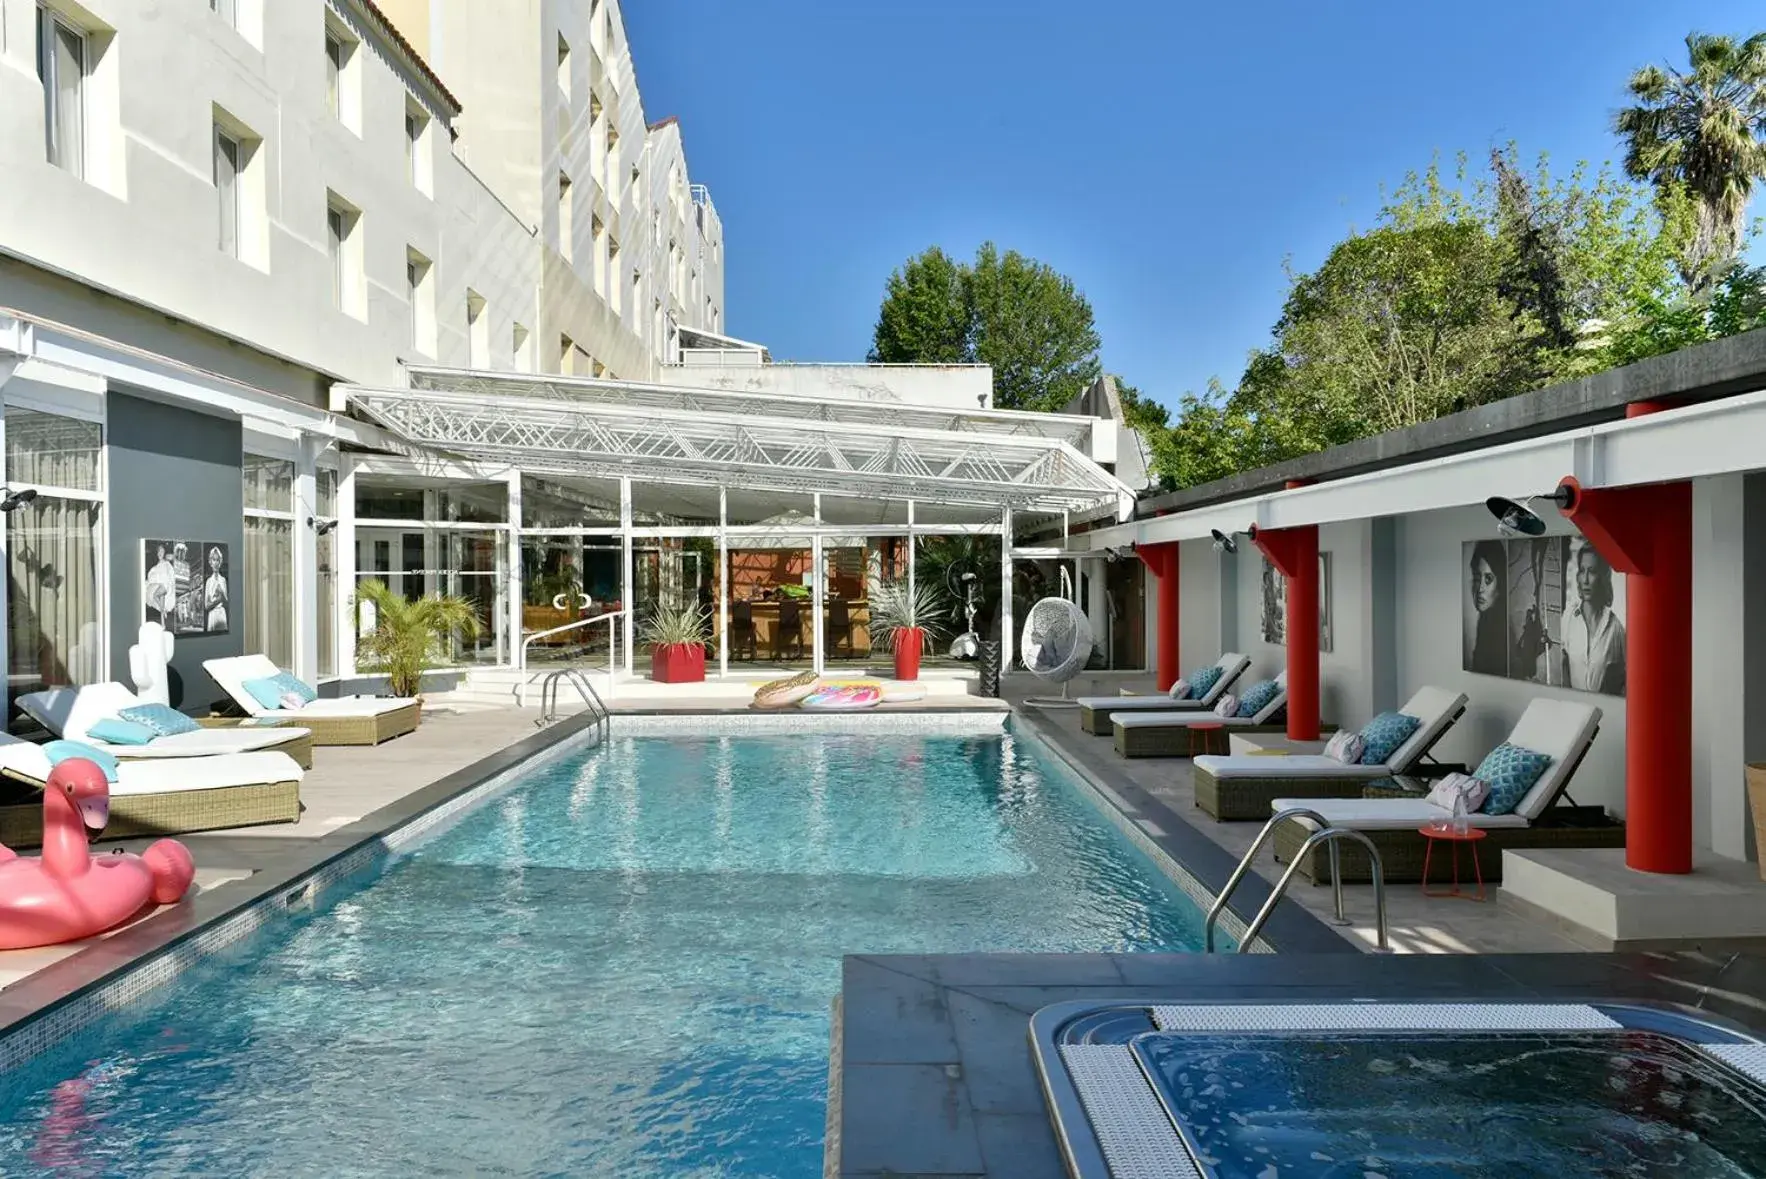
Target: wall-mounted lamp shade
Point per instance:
(1222, 542)
(16, 499)
(321, 527)
(1514, 518)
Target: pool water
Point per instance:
(1519, 1105)
(623, 967)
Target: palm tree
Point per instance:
(1697, 132)
(410, 637)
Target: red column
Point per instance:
(1646, 534)
(1161, 561)
(1294, 553)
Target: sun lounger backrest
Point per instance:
(1437, 708)
(232, 673)
(71, 712)
(23, 759)
(1232, 665)
(1563, 730)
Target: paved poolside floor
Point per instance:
(1418, 924)
(345, 784)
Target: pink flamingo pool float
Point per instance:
(69, 893)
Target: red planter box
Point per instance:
(680, 663)
(907, 653)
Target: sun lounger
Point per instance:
(1229, 788)
(159, 796)
(1562, 729)
(348, 720)
(1169, 734)
(1096, 712)
(71, 713)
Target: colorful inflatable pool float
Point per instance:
(843, 696)
(784, 693)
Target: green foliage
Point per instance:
(409, 638)
(1005, 310)
(1697, 131)
(686, 625)
(894, 608)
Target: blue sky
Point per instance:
(1167, 156)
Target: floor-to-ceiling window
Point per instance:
(268, 593)
(325, 574)
(54, 614)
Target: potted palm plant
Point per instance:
(409, 638)
(902, 620)
(676, 635)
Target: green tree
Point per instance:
(1698, 130)
(408, 638)
(1030, 323)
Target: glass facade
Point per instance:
(268, 592)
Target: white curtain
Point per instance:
(269, 589)
(53, 629)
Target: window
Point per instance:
(324, 512)
(343, 241)
(566, 355)
(564, 68)
(598, 235)
(226, 10)
(518, 348)
(419, 168)
(334, 62)
(478, 332)
(227, 161)
(56, 609)
(566, 219)
(343, 74)
(420, 289)
(267, 589)
(615, 288)
(61, 66)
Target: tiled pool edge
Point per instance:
(69, 995)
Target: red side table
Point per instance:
(1436, 835)
(1199, 736)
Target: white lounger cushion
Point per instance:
(163, 775)
(1435, 707)
(231, 675)
(71, 713)
(1232, 665)
(1386, 814)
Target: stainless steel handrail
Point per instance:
(1328, 835)
(612, 642)
(1250, 857)
(591, 699)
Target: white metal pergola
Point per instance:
(998, 463)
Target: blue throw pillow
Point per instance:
(162, 719)
(60, 751)
(1202, 682)
(1510, 772)
(1257, 697)
(1384, 734)
(289, 682)
(267, 691)
(114, 730)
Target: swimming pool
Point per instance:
(622, 966)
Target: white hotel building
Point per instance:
(415, 290)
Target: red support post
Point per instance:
(1646, 534)
(1294, 553)
(1161, 561)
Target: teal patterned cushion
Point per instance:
(1257, 697)
(1202, 682)
(165, 721)
(1510, 771)
(1384, 734)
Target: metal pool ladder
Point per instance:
(591, 699)
(1327, 835)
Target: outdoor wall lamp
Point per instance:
(1223, 541)
(321, 527)
(16, 499)
(1518, 519)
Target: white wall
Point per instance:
(955, 386)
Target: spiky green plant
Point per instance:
(1697, 132)
(408, 638)
(686, 625)
(895, 609)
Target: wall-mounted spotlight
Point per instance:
(1518, 519)
(1223, 542)
(321, 527)
(14, 500)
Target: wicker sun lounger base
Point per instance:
(1402, 850)
(170, 812)
(1182, 740)
(1099, 722)
(1234, 799)
(337, 729)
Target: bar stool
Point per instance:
(1199, 742)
